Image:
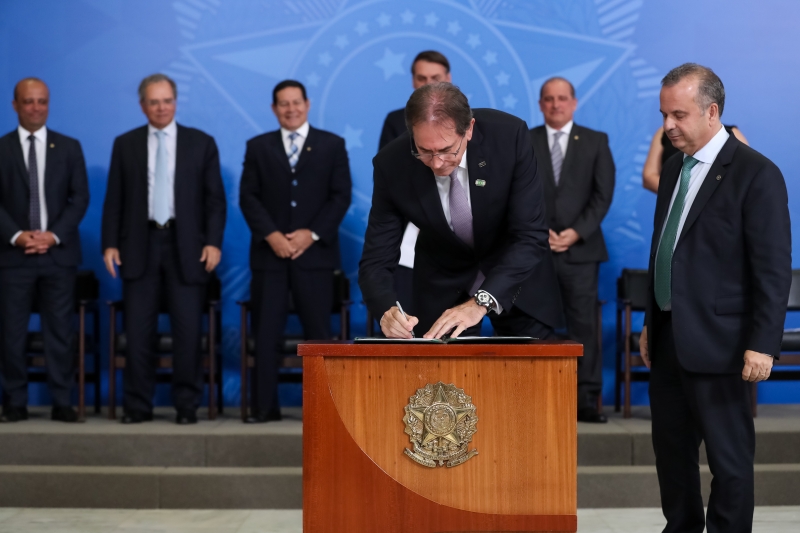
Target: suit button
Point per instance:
(292, 171)
(294, 204)
(294, 183)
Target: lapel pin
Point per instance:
(719, 177)
(52, 145)
(482, 164)
(308, 148)
(480, 183)
(576, 137)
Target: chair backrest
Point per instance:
(341, 293)
(632, 286)
(794, 292)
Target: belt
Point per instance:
(166, 225)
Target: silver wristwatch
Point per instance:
(483, 299)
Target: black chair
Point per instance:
(289, 372)
(631, 298)
(85, 343)
(210, 348)
(790, 346)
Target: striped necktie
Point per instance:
(460, 212)
(557, 156)
(663, 273)
(294, 152)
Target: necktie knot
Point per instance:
(453, 176)
(557, 135)
(689, 162)
(160, 134)
(31, 137)
(294, 135)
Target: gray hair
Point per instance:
(709, 91)
(155, 78)
(442, 103)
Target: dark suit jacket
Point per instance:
(66, 194)
(509, 226)
(584, 192)
(393, 127)
(200, 203)
(319, 187)
(732, 265)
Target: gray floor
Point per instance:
(767, 520)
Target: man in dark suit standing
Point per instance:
(720, 271)
(44, 194)
(163, 221)
(429, 66)
(578, 173)
(294, 193)
(467, 178)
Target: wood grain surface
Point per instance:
(349, 349)
(356, 477)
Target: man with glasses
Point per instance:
(467, 178)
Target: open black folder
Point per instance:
(448, 340)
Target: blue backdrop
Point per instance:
(354, 57)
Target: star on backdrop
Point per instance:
(391, 64)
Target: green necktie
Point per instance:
(663, 273)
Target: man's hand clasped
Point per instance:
(35, 242)
(290, 245)
(757, 366)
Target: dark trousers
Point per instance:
(578, 285)
(688, 408)
(53, 287)
(184, 302)
(312, 293)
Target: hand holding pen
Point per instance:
(395, 324)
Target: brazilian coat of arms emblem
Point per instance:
(440, 422)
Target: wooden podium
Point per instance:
(357, 479)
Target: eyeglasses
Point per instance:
(445, 157)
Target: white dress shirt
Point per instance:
(563, 141)
(706, 156)
(302, 132)
(171, 140)
(40, 138)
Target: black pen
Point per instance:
(400, 307)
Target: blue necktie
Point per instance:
(161, 185)
(34, 207)
(294, 152)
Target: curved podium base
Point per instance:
(345, 490)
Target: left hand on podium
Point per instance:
(457, 319)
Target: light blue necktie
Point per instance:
(557, 156)
(663, 273)
(294, 152)
(161, 185)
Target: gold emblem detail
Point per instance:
(440, 422)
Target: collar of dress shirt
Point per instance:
(40, 134)
(708, 153)
(302, 130)
(567, 129)
(170, 129)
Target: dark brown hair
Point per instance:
(442, 103)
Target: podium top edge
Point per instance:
(528, 349)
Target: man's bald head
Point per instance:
(31, 102)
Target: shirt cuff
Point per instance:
(58, 241)
(14, 238)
